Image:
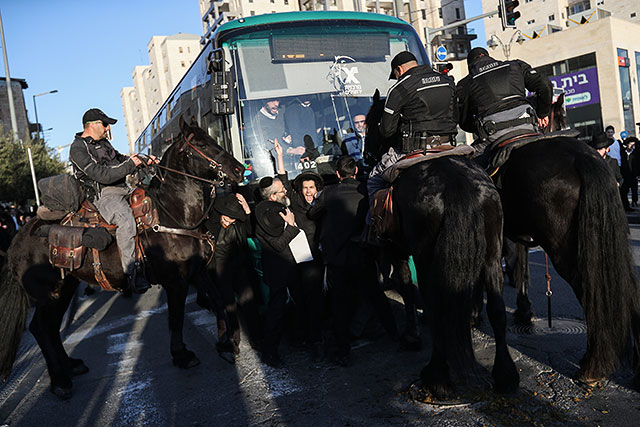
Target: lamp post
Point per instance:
(494, 41)
(35, 109)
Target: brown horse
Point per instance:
(173, 261)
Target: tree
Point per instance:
(16, 184)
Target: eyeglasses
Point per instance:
(99, 121)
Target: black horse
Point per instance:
(174, 261)
(559, 194)
(450, 221)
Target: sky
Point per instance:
(86, 50)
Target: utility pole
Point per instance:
(12, 109)
(433, 31)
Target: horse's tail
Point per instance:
(14, 304)
(458, 258)
(605, 268)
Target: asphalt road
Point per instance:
(125, 343)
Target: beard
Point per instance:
(284, 200)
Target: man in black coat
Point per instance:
(308, 298)
(231, 270)
(275, 230)
(341, 210)
(629, 169)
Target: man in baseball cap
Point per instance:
(102, 170)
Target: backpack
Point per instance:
(61, 193)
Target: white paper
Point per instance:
(300, 248)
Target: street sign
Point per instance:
(441, 53)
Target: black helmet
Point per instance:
(476, 53)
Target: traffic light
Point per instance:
(507, 11)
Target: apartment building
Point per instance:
(588, 48)
(169, 58)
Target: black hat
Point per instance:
(399, 59)
(307, 176)
(268, 217)
(475, 53)
(600, 140)
(96, 114)
(228, 205)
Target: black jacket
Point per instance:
(277, 259)
(97, 163)
(493, 86)
(629, 163)
(422, 100)
(341, 210)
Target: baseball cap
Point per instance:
(95, 114)
(399, 59)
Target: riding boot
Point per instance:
(137, 282)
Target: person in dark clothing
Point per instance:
(601, 143)
(492, 98)
(422, 106)
(341, 210)
(308, 298)
(102, 171)
(300, 120)
(231, 268)
(275, 230)
(629, 170)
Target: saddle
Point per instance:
(69, 239)
(382, 216)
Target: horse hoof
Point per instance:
(77, 367)
(185, 359)
(227, 357)
(523, 319)
(61, 392)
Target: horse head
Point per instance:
(375, 144)
(196, 153)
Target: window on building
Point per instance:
(633, 15)
(273, 1)
(457, 13)
(253, 12)
(286, 2)
(578, 7)
(179, 49)
(250, 1)
(182, 64)
(531, 21)
(528, 1)
(188, 49)
(439, 12)
(424, 14)
(552, 18)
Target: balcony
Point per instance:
(586, 16)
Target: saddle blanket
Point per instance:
(392, 172)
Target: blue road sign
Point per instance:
(624, 134)
(441, 53)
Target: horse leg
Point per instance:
(176, 297)
(523, 314)
(505, 373)
(410, 339)
(45, 327)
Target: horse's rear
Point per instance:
(563, 195)
(451, 221)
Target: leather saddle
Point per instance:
(66, 248)
(382, 216)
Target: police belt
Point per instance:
(491, 127)
(424, 140)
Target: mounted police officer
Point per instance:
(492, 98)
(421, 106)
(102, 171)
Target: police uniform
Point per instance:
(422, 105)
(492, 97)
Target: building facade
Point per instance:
(169, 58)
(589, 49)
(17, 86)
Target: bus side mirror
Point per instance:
(221, 84)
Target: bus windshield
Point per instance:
(303, 86)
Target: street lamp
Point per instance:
(35, 110)
(495, 41)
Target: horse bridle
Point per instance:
(213, 164)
